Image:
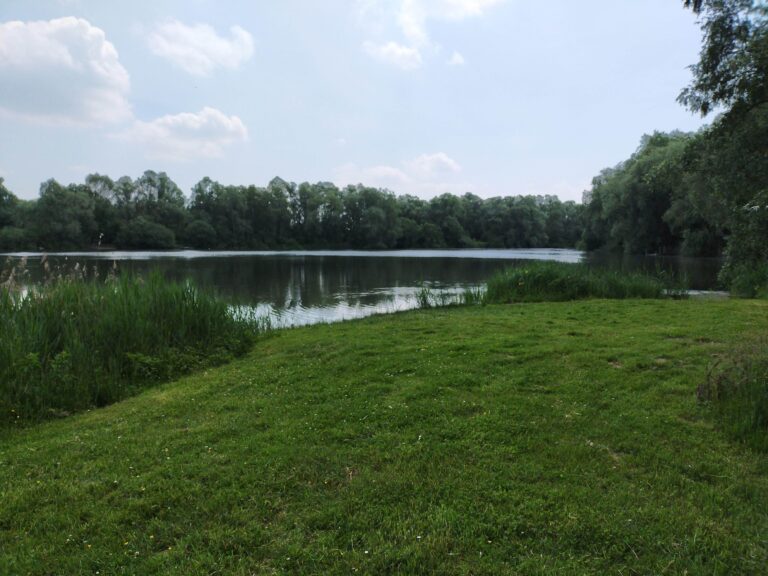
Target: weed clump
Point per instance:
(557, 281)
(737, 390)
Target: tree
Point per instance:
(8, 203)
(13, 235)
(654, 201)
(733, 62)
(732, 73)
(64, 217)
(143, 234)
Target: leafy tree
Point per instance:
(732, 73)
(8, 204)
(733, 63)
(143, 234)
(201, 235)
(13, 235)
(64, 217)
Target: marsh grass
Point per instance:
(557, 281)
(737, 389)
(79, 341)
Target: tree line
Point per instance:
(151, 212)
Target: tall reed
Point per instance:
(71, 344)
(552, 281)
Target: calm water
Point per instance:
(303, 287)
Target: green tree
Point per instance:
(732, 73)
(13, 235)
(733, 63)
(64, 218)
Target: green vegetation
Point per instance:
(738, 389)
(557, 281)
(703, 193)
(151, 212)
(551, 438)
(73, 344)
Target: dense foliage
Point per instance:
(73, 344)
(706, 193)
(152, 212)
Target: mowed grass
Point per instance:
(553, 438)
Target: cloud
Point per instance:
(456, 59)
(426, 175)
(377, 176)
(187, 136)
(61, 71)
(429, 166)
(412, 17)
(395, 54)
(198, 49)
(460, 9)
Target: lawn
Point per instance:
(552, 438)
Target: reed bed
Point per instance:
(77, 342)
(556, 281)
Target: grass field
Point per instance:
(553, 438)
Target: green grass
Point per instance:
(554, 438)
(74, 344)
(557, 281)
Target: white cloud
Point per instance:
(460, 9)
(187, 136)
(426, 175)
(412, 17)
(376, 176)
(403, 57)
(429, 166)
(198, 49)
(456, 59)
(61, 71)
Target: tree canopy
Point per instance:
(151, 212)
(733, 62)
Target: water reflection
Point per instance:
(297, 288)
(695, 273)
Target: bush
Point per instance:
(556, 281)
(747, 280)
(75, 344)
(143, 234)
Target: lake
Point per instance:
(306, 287)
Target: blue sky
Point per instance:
(494, 97)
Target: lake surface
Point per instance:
(305, 287)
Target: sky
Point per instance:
(423, 97)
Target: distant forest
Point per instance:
(151, 212)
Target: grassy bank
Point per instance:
(73, 344)
(555, 438)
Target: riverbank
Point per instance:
(541, 438)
